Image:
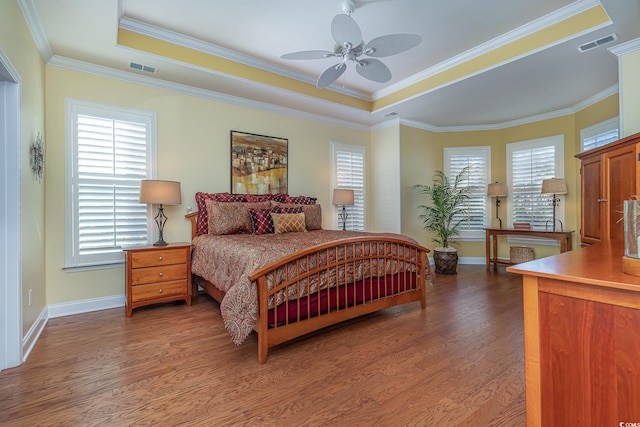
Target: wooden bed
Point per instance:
(370, 273)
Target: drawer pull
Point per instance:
(161, 274)
(602, 200)
(160, 258)
(160, 290)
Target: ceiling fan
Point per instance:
(350, 47)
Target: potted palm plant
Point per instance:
(443, 215)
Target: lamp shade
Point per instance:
(554, 186)
(497, 189)
(342, 196)
(160, 192)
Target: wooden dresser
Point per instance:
(581, 338)
(157, 274)
(609, 175)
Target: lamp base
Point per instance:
(160, 242)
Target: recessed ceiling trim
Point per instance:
(575, 26)
(223, 66)
(525, 30)
(624, 48)
(215, 50)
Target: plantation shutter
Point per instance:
(530, 166)
(600, 134)
(349, 169)
(111, 156)
(476, 159)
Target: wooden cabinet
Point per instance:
(581, 318)
(610, 175)
(157, 274)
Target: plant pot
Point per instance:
(446, 261)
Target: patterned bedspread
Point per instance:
(227, 261)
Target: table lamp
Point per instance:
(161, 193)
(497, 190)
(344, 197)
(554, 186)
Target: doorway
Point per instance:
(10, 217)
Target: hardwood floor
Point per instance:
(460, 362)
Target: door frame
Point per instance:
(10, 216)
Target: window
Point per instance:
(347, 163)
(478, 160)
(528, 164)
(600, 134)
(109, 150)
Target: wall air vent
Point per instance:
(140, 67)
(596, 43)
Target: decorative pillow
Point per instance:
(302, 200)
(288, 223)
(231, 217)
(278, 197)
(312, 214)
(284, 209)
(261, 221)
(202, 222)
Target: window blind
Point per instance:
(477, 160)
(349, 173)
(112, 159)
(529, 167)
(600, 134)
(110, 153)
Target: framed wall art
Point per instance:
(258, 164)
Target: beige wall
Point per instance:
(18, 45)
(193, 148)
(384, 180)
(422, 154)
(630, 86)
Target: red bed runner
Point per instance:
(343, 296)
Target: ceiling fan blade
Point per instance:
(330, 75)
(374, 70)
(308, 54)
(345, 30)
(391, 44)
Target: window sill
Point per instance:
(91, 267)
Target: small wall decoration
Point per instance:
(258, 164)
(37, 157)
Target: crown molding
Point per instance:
(215, 50)
(129, 77)
(496, 43)
(611, 90)
(35, 26)
(626, 47)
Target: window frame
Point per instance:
(478, 151)
(73, 261)
(599, 129)
(359, 193)
(557, 141)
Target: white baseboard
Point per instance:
(30, 339)
(472, 260)
(85, 306)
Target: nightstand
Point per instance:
(157, 274)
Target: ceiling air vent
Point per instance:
(594, 44)
(140, 67)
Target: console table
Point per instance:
(564, 237)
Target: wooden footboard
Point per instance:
(333, 282)
(368, 274)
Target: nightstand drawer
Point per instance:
(158, 290)
(164, 273)
(158, 257)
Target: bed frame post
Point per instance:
(263, 320)
(423, 282)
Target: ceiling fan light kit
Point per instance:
(350, 47)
